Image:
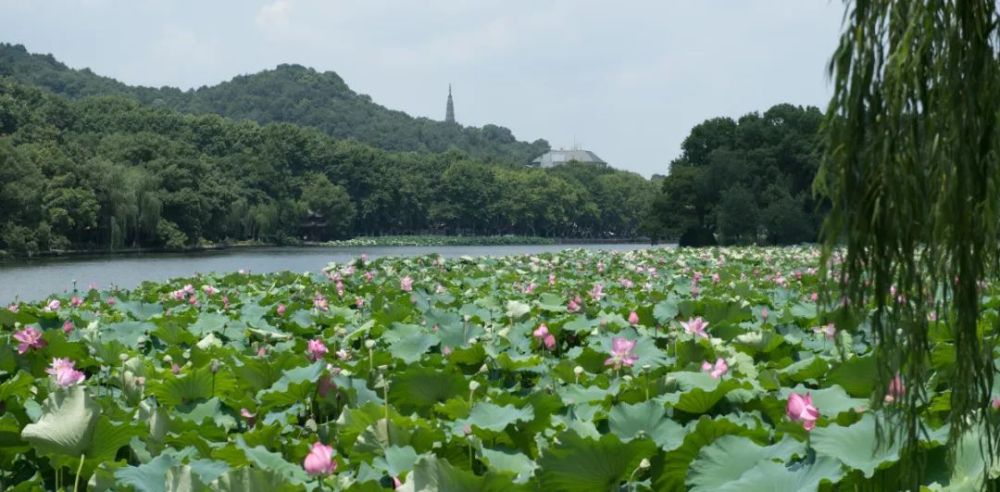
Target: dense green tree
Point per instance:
(110, 172)
(330, 205)
(288, 94)
(766, 160)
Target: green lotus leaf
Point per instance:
(670, 470)
(857, 376)
(645, 419)
(699, 391)
(510, 461)
(856, 445)
(293, 386)
(770, 476)
(411, 348)
(67, 424)
(420, 388)
(578, 464)
(432, 474)
(729, 457)
(147, 477)
(492, 417)
(829, 401)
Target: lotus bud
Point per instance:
(483, 369)
(369, 344)
(168, 359)
(473, 385)
(578, 370)
(215, 366)
(123, 357)
(644, 464)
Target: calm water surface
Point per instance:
(35, 280)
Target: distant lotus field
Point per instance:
(652, 370)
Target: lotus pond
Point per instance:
(659, 369)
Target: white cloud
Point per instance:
(275, 15)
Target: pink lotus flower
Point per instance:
(262, 351)
(280, 310)
(633, 318)
(112, 301)
(552, 279)
(621, 353)
(320, 460)
(29, 338)
(573, 305)
(896, 390)
(325, 386)
(75, 301)
(696, 327)
(827, 330)
(597, 292)
(369, 276)
(316, 349)
(67, 327)
(800, 409)
(764, 313)
(64, 373)
(340, 289)
(174, 368)
(695, 290)
(544, 337)
(209, 290)
(53, 305)
(14, 308)
(718, 370)
(406, 283)
(250, 417)
(995, 403)
(716, 278)
(359, 302)
(320, 302)
(193, 300)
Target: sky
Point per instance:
(624, 79)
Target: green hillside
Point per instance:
(288, 94)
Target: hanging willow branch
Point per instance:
(912, 172)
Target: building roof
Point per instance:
(557, 157)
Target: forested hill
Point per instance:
(290, 94)
(110, 172)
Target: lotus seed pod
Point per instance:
(578, 370)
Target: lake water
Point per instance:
(36, 279)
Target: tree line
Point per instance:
(110, 172)
(287, 94)
(744, 181)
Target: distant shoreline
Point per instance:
(363, 241)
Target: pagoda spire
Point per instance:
(449, 115)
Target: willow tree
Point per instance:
(912, 172)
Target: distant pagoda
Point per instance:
(449, 114)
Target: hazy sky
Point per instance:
(625, 79)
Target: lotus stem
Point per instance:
(79, 471)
